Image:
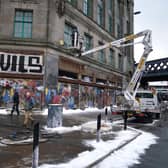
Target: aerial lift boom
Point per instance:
(134, 83)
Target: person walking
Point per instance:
(15, 103)
(28, 106)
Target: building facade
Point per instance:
(36, 51)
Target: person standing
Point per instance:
(28, 106)
(15, 103)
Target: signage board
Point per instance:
(21, 63)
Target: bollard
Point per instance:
(98, 127)
(54, 115)
(106, 114)
(35, 146)
(163, 113)
(125, 119)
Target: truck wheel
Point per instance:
(149, 116)
(157, 116)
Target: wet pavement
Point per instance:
(156, 155)
(58, 148)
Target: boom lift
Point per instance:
(134, 83)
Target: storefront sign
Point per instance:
(19, 63)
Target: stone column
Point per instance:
(51, 70)
(50, 83)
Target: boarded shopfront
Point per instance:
(76, 85)
(77, 94)
(9, 85)
(80, 86)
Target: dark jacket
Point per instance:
(16, 98)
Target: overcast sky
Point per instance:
(153, 16)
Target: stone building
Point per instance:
(36, 51)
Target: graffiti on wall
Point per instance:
(72, 96)
(8, 86)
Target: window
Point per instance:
(87, 42)
(23, 24)
(128, 8)
(111, 58)
(87, 7)
(100, 12)
(73, 2)
(120, 62)
(110, 24)
(68, 34)
(119, 16)
(101, 55)
(110, 4)
(144, 95)
(110, 19)
(117, 9)
(128, 27)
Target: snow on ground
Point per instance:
(126, 156)
(4, 112)
(1, 143)
(65, 111)
(123, 158)
(76, 111)
(62, 130)
(129, 154)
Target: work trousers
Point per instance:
(28, 117)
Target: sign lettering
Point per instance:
(17, 63)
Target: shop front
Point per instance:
(80, 86)
(9, 85)
(75, 85)
(71, 93)
(75, 94)
(21, 71)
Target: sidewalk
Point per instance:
(101, 150)
(70, 145)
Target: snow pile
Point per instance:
(61, 130)
(4, 111)
(76, 111)
(44, 112)
(129, 154)
(126, 156)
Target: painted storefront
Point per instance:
(72, 96)
(25, 72)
